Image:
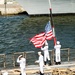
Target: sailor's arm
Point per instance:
(37, 61)
(18, 60)
(44, 48)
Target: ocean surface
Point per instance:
(15, 34)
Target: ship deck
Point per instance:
(67, 68)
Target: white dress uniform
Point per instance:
(46, 53)
(57, 52)
(22, 63)
(5, 73)
(41, 63)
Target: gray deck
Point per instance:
(33, 69)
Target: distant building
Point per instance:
(7, 1)
(2, 1)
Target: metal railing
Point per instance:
(67, 55)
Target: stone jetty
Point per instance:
(10, 9)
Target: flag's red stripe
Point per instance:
(38, 40)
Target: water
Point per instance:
(15, 32)
(11, 39)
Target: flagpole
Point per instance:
(52, 22)
(5, 6)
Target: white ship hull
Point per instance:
(34, 7)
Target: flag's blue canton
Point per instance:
(48, 27)
(48, 31)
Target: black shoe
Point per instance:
(44, 62)
(20, 74)
(59, 63)
(41, 73)
(49, 62)
(56, 63)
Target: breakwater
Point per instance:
(10, 9)
(9, 60)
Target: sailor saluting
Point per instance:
(22, 61)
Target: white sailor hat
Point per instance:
(58, 42)
(39, 52)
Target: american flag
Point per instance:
(39, 39)
(48, 31)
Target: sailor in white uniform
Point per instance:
(5, 73)
(41, 63)
(46, 54)
(22, 61)
(57, 53)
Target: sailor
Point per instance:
(41, 63)
(46, 54)
(22, 61)
(5, 73)
(57, 53)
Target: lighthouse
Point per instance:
(2, 1)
